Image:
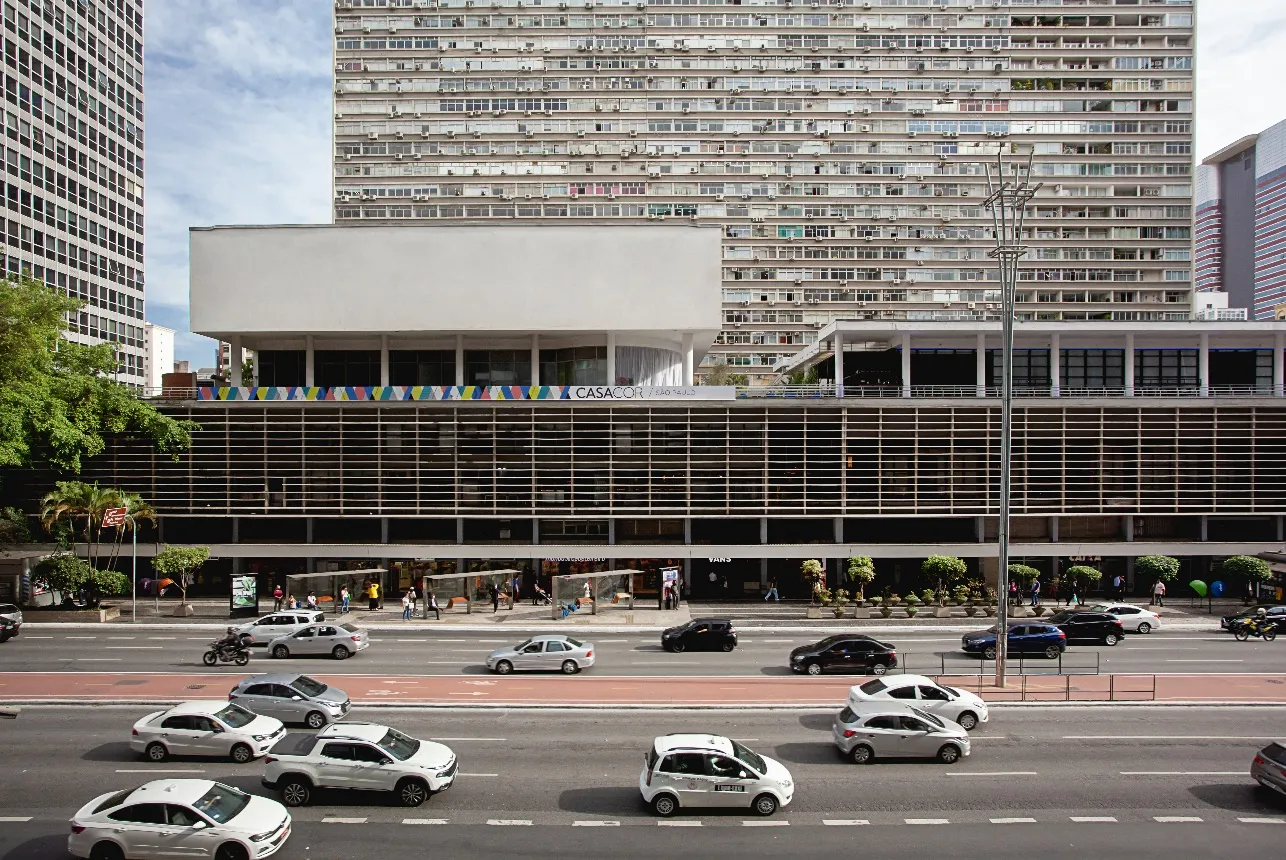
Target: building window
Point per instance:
(1031, 368)
(421, 367)
(342, 367)
(1166, 368)
(1092, 369)
(497, 367)
(585, 365)
(280, 367)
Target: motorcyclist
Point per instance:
(231, 641)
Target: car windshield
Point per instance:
(221, 803)
(745, 756)
(308, 686)
(1059, 616)
(951, 693)
(399, 745)
(929, 718)
(350, 628)
(235, 716)
(575, 643)
(870, 688)
(521, 645)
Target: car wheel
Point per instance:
(504, 667)
(765, 805)
(949, 754)
(296, 792)
(813, 668)
(570, 667)
(241, 753)
(106, 851)
(1111, 639)
(989, 653)
(967, 721)
(315, 719)
(665, 805)
(726, 647)
(1144, 628)
(209, 658)
(862, 754)
(677, 647)
(1052, 652)
(281, 652)
(339, 652)
(412, 792)
(231, 851)
(879, 669)
(156, 751)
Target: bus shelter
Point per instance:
(329, 582)
(570, 589)
(467, 586)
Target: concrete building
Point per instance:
(838, 145)
(1241, 222)
(74, 162)
(158, 355)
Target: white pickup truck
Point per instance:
(361, 756)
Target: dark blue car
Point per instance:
(1025, 637)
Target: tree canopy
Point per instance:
(1154, 567)
(58, 399)
(1248, 567)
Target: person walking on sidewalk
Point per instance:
(1035, 593)
(495, 599)
(415, 598)
(772, 591)
(406, 606)
(1158, 593)
(277, 596)
(343, 600)
(517, 588)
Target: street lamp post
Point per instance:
(1009, 190)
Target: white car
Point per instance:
(282, 623)
(208, 729)
(689, 770)
(951, 703)
(178, 818)
(1133, 618)
(340, 641)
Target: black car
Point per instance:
(7, 629)
(1088, 626)
(700, 634)
(844, 653)
(1274, 613)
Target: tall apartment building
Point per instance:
(840, 144)
(1241, 222)
(73, 161)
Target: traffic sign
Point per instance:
(114, 517)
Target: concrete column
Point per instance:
(980, 529)
(1055, 366)
(611, 358)
(384, 530)
(1281, 528)
(535, 535)
(1129, 364)
(1053, 529)
(308, 361)
(459, 531)
(687, 531)
(535, 359)
(234, 361)
(687, 359)
(906, 365)
(980, 365)
(839, 363)
(611, 531)
(1127, 525)
(1203, 366)
(384, 360)
(308, 530)
(763, 531)
(1279, 367)
(459, 359)
(837, 528)
(1205, 527)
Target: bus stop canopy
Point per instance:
(558, 579)
(506, 574)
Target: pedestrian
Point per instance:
(343, 600)
(1053, 592)
(1035, 593)
(517, 590)
(1013, 593)
(432, 602)
(723, 586)
(495, 599)
(1158, 593)
(772, 591)
(665, 595)
(678, 593)
(373, 596)
(1075, 596)
(277, 595)
(291, 603)
(312, 600)
(1116, 586)
(415, 598)
(406, 606)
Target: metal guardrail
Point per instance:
(958, 663)
(1064, 688)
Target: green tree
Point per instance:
(180, 563)
(69, 575)
(1249, 568)
(59, 399)
(1083, 575)
(136, 511)
(1150, 568)
(861, 570)
(721, 374)
(13, 527)
(74, 509)
(1023, 574)
(945, 570)
(814, 575)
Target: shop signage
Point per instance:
(475, 392)
(719, 560)
(578, 560)
(649, 392)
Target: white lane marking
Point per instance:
(927, 820)
(162, 638)
(160, 770)
(788, 641)
(996, 773)
(596, 824)
(343, 821)
(612, 642)
(1205, 661)
(80, 637)
(1094, 819)
(509, 822)
(746, 740)
(133, 647)
(442, 662)
(96, 659)
(1182, 772)
(462, 773)
(121, 638)
(14, 819)
(1175, 819)
(29, 636)
(1013, 821)
(424, 821)
(762, 823)
(420, 641)
(1262, 820)
(845, 822)
(678, 823)
(498, 740)
(1165, 738)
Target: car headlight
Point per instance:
(262, 837)
(797, 657)
(260, 737)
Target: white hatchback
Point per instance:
(689, 770)
(205, 729)
(178, 818)
(951, 703)
(1133, 618)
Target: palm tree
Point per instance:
(76, 502)
(136, 510)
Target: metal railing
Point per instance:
(823, 390)
(1061, 688)
(957, 663)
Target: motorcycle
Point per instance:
(239, 654)
(1243, 630)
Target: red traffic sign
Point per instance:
(114, 517)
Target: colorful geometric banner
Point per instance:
(473, 392)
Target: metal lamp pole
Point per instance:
(1007, 198)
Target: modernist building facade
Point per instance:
(73, 158)
(1241, 222)
(838, 145)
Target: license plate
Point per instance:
(730, 788)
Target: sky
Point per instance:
(238, 99)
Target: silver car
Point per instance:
(1269, 767)
(291, 698)
(14, 614)
(548, 653)
(340, 641)
(283, 623)
(895, 730)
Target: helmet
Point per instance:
(232, 630)
(1261, 612)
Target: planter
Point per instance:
(990, 611)
(184, 610)
(839, 611)
(85, 616)
(1037, 611)
(814, 612)
(942, 612)
(886, 611)
(971, 611)
(911, 611)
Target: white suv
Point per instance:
(688, 770)
(282, 623)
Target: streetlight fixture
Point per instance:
(1009, 190)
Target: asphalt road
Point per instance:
(618, 654)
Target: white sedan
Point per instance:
(178, 818)
(340, 641)
(205, 729)
(951, 703)
(1133, 618)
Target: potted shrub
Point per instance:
(814, 576)
(960, 594)
(1252, 569)
(1149, 568)
(878, 603)
(892, 600)
(861, 572)
(839, 602)
(912, 605)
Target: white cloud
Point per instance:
(1241, 65)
